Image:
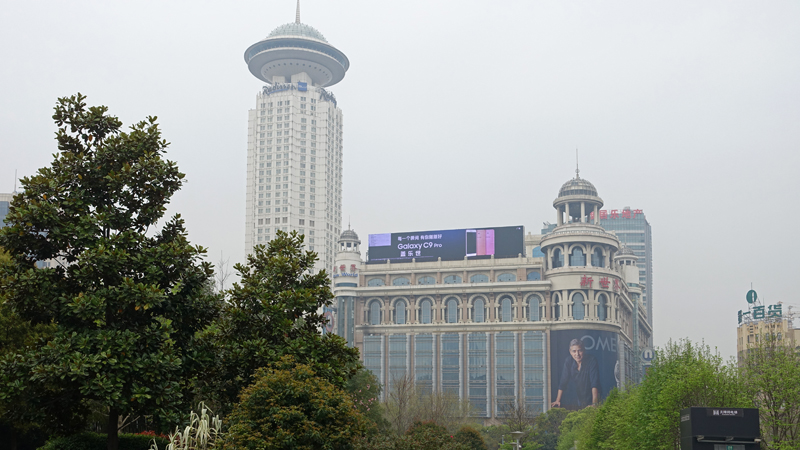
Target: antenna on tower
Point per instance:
(297, 15)
(577, 167)
(15, 181)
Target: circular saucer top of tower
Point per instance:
(294, 48)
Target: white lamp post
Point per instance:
(516, 435)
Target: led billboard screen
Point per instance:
(500, 242)
(584, 365)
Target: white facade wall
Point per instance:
(294, 167)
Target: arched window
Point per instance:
(558, 259)
(537, 252)
(505, 310)
(400, 312)
(402, 281)
(577, 258)
(452, 279)
(602, 308)
(556, 307)
(479, 278)
(507, 277)
(578, 309)
(376, 282)
(533, 308)
(452, 310)
(426, 280)
(478, 311)
(534, 276)
(375, 313)
(425, 311)
(597, 258)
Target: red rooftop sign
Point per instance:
(617, 214)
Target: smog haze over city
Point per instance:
(467, 114)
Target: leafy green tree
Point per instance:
(771, 371)
(683, 374)
(19, 416)
(126, 298)
(575, 429)
(289, 407)
(547, 427)
(365, 388)
(275, 310)
(612, 425)
(420, 436)
(471, 438)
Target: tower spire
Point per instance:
(577, 167)
(297, 15)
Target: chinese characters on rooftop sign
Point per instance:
(758, 313)
(626, 213)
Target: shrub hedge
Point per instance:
(97, 441)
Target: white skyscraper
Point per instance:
(294, 142)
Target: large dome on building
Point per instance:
(577, 186)
(297, 30)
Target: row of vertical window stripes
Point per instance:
(450, 361)
(532, 310)
(454, 279)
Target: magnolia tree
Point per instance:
(126, 296)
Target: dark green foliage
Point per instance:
(547, 427)
(289, 407)
(471, 438)
(272, 312)
(126, 298)
(95, 441)
(576, 428)
(420, 436)
(365, 389)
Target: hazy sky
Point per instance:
(465, 114)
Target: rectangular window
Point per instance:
(533, 344)
(451, 364)
(478, 373)
(423, 363)
(373, 354)
(398, 359)
(504, 371)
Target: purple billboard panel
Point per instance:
(584, 367)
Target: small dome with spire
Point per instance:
(577, 186)
(349, 235)
(296, 29)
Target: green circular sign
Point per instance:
(751, 296)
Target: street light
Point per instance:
(516, 435)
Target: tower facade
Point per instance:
(5, 203)
(294, 142)
(633, 230)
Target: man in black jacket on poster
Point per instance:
(582, 369)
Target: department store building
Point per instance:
(492, 317)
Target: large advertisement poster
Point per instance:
(584, 367)
(500, 242)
